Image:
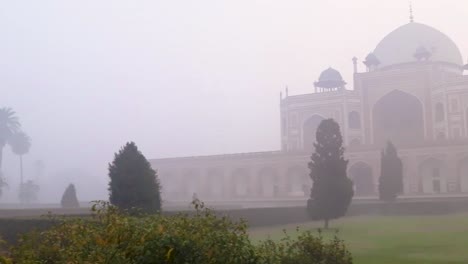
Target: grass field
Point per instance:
(393, 239)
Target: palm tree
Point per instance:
(9, 125)
(20, 144)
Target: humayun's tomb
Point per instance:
(413, 93)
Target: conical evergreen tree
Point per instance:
(332, 190)
(69, 199)
(391, 174)
(133, 183)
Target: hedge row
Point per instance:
(11, 228)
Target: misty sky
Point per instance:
(179, 78)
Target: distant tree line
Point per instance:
(20, 143)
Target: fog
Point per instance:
(180, 78)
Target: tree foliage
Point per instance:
(391, 174)
(69, 199)
(9, 125)
(20, 143)
(133, 183)
(332, 190)
(113, 236)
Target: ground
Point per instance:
(394, 239)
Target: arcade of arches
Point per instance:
(267, 182)
(271, 182)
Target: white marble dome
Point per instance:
(401, 44)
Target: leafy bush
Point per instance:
(113, 236)
(307, 248)
(3, 258)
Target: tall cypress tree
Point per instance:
(391, 174)
(133, 183)
(332, 190)
(69, 199)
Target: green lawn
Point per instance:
(395, 239)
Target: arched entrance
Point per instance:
(240, 182)
(309, 130)
(463, 175)
(267, 182)
(173, 186)
(398, 117)
(363, 180)
(298, 182)
(192, 180)
(214, 183)
(432, 173)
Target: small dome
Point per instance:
(330, 78)
(400, 45)
(330, 74)
(371, 60)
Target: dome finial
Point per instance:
(411, 17)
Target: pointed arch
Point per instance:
(214, 182)
(361, 175)
(398, 116)
(433, 176)
(309, 129)
(192, 178)
(174, 187)
(240, 183)
(298, 181)
(267, 182)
